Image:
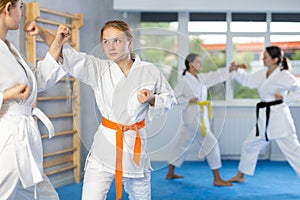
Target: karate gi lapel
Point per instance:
(124, 89)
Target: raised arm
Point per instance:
(55, 43)
(48, 71)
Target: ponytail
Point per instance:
(187, 67)
(285, 64)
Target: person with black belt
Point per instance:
(277, 89)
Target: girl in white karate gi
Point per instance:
(21, 157)
(277, 89)
(190, 90)
(127, 90)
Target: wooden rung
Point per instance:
(55, 153)
(60, 116)
(44, 21)
(59, 13)
(62, 169)
(52, 98)
(63, 133)
(58, 161)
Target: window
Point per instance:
(290, 27)
(285, 29)
(173, 26)
(159, 42)
(161, 50)
(207, 27)
(247, 50)
(247, 27)
(290, 45)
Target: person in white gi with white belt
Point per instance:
(277, 89)
(191, 92)
(21, 156)
(127, 90)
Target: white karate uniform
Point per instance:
(188, 87)
(21, 153)
(116, 98)
(281, 127)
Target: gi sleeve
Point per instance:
(251, 80)
(164, 98)
(80, 65)
(293, 94)
(180, 89)
(47, 72)
(214, 77)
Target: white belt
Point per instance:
(29, 150)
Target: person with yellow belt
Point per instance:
(127, 91)
(191, 92)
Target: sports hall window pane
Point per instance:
(290, 27)
(173, 26)
(218, 27)
(247, 50)
(248, 27)
(212, 49)
(162, 51)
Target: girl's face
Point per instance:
(268, 60)
(115, 44)
(196, 64)
(16, 14)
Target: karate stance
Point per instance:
(191, 91)
(127, 90)
(21, 156)
(277, 89)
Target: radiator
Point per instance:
(231, 126)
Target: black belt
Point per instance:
(266, 105)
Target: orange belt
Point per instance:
(120, 128)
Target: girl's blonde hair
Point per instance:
(120, 25)
(4, 2)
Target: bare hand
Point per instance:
(32, 28)
(234, 66)
(242, 66)
(145, 96)
(193, 100)
(19, 91)
(278, 96)
(63, 34)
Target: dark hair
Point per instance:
(190, 58)
(276, 52)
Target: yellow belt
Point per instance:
(202, 104)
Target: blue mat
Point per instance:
(272, 181)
